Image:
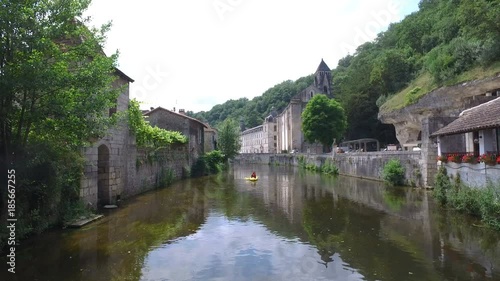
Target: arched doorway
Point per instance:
(103, 175)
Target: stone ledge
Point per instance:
(82, 222)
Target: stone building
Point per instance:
(188, 126)
(283, 132)
(261, 139)
(105, 172)
(290, 136)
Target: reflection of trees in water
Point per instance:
(395, 198)
(115, 247)
(324, 225)
(352, 231)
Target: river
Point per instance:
(289, 225)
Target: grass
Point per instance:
(425, 84)
(483, 203)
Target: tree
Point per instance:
(54, 78)
(229, 138)
(323, 120)
(55, 89)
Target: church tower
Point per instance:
(323, 79)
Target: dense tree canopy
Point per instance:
(51, 89)
(442, 40)
(323, 120)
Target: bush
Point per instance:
(210, 163)
(214, 160)
(394, 172)
(490, 206)
(165, 178)
(329, 168)
(442, 185)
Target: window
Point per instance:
(274, 137)
(275, 128)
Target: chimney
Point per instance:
(174, 109)
(151, 108)
(181, 111)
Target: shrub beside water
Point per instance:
(481, 203)
(210, 163)
(328, 167)
(394, 172)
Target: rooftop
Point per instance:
(483, 116)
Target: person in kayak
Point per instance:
(253, 176)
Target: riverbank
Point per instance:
(366, 165)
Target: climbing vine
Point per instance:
(148, 136)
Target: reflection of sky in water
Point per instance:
(225, 249)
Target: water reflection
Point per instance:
(289, 225)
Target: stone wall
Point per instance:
(115, 168)
(148, 168)
(474, 175)
(367, 165)
(105, 170)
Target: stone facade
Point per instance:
(115, 168)
(260, 139)
(283, 132)
(105, 172)
(188, 126)
(290, 136)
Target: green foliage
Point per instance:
(323, 119)
(394, 172)
(229, 138)
(148, 136)
(302, 161)
(210, 163)
(165, 177)
(442, 185)
(55, 84)
(412, 96)
(441, 41)
(214, 161)
(489, 205)
(481, 203)
(329, 168)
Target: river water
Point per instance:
(289, 225)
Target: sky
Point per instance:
(195, 54)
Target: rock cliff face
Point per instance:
(442, 102)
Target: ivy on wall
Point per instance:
(148, 136)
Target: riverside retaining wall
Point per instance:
(367, 165)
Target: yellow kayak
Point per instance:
(252, 179)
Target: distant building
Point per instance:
(290, 136)
(283, 132)
(188, 126)
(261, 139)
